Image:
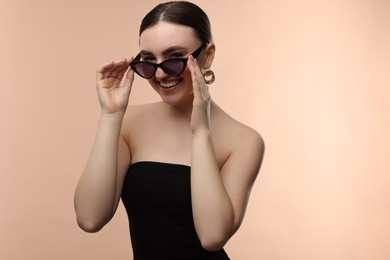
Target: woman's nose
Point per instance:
(160, 73)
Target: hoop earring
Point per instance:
(208, 76)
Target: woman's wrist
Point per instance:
(201, 133)
(111, 122)
(117, 116)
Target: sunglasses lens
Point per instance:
(145, 70)
(174, 67)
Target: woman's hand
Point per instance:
(113, 95)
(200, 118)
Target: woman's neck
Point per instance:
(181, 111)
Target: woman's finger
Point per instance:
(199, 87)
(119, 67)
(129, 75)
(101, 70)
(194, 75)
(112, 69)
(128, 79)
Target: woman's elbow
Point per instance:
(213, 244)
(89, 226)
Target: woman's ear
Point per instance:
(209, 55)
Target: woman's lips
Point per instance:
(169, 85)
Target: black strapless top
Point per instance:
(157, 198)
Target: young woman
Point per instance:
(183, 167)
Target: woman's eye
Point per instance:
(176, 55)
(149, 59)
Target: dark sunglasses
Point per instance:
(173, 67)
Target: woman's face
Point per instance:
(167, 40)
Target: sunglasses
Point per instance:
(173, 67)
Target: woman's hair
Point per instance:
(180, 12)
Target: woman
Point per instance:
(183, 167)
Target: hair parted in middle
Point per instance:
(182, 13)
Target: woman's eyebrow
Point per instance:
(165, 52)
(173, 49)
(146, 53)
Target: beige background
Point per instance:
(310, 76)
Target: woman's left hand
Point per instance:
(200, 118)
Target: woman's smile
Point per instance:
(170, 84)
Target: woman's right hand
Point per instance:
(113, 83)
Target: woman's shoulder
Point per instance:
(138, 116)
(137, 112)
(245, 135)
(236, 141)
(235, 127)
(237, 133)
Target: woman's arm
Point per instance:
(219, 198)
(98, 190)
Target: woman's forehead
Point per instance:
(164, 35)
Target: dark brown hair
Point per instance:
(182, 13)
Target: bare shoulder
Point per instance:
(236, 144)
(238, 134)
(248, 142)
(137, 118)
(139, 113)
(250, 137)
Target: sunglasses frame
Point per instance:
(137, 60)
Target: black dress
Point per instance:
(157, 198)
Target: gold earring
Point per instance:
(208, 76)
